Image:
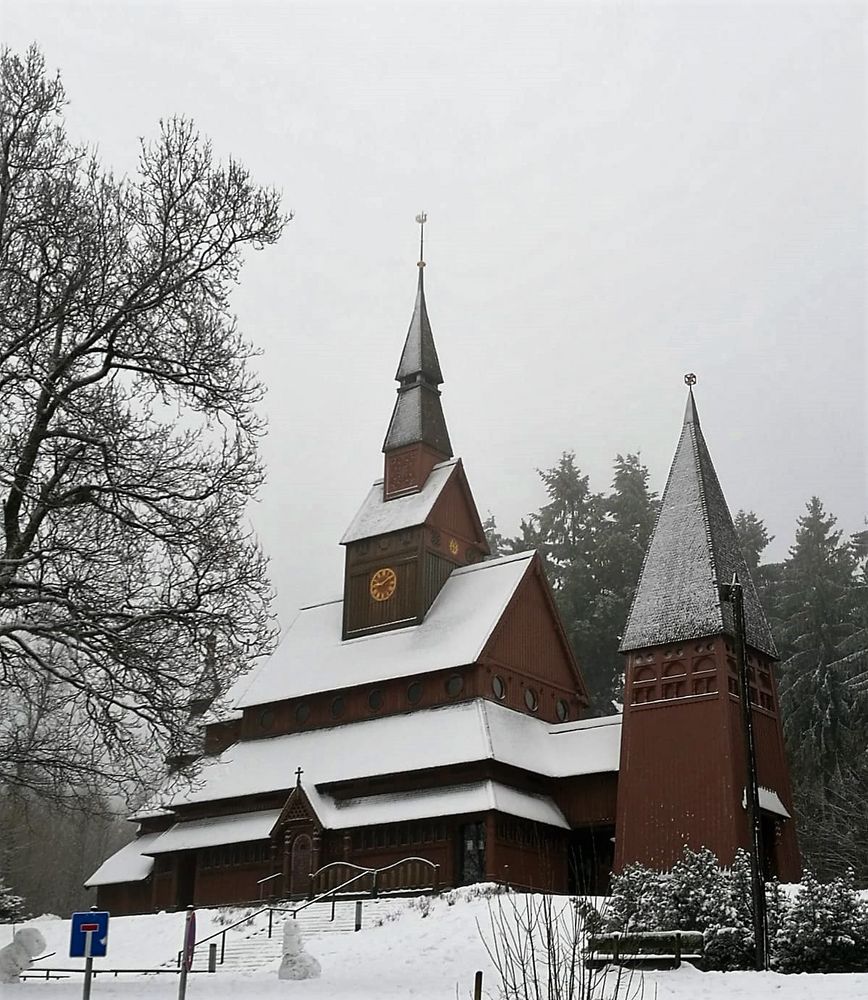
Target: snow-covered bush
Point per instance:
(696, 895)
(825, 929)
(11, 905)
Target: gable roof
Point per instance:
(129, 864)
(450, 800)
(693, 548)
(237, 828)
(134, 862)
(312, 657)
(377, 516)
(469, 731)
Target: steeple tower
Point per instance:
(419, 522)
(417, 438)
(682, 776)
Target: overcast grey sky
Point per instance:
(617, 194)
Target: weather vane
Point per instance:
(422, 218)
(690, 379)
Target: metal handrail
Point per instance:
(370, 871)
(361, 873)
(232, 927)
(268, 878)
(329, 892)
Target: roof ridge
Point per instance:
(703, 498)
(482, 708)
(489, 563)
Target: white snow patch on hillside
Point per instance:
(408, 954)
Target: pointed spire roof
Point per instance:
(418, 414)
(693, 547)
(419, 356)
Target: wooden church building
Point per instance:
(436, 711)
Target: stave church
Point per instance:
(436, 711)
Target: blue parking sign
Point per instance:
(90, 924)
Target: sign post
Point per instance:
(88, 939)
(188, 952)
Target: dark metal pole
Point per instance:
(734, 594)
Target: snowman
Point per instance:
(296, 962)
(19, 955)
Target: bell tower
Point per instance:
(682, 774)
(419, 521)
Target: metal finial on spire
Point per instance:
(690, 379)
(422, 218)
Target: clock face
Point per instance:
(383, 584)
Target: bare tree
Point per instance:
(128, 441)
(540, 948)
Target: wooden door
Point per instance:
(299, 877)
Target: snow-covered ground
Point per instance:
(431, 957)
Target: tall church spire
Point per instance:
(417, 438)
(694, 546)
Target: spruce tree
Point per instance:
(753, 538)
(565, 532)
(593, 546)
(630, 510)
(11, 904)
(822, 639)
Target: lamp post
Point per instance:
(733, 593)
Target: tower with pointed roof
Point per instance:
(682, 775)
(419, 522)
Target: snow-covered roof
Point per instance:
(453, 734)
(135, 861)
(236, 829)
(377, 516)
(453, 800)
(129, 864)
(693, 548)
(312, 657)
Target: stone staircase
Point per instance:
(249, 948)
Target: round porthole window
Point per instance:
(339, 706)
(530, 699)
(498, 687)
(375, 700)
(414, 693)
(563, 710)
(266, 718)
(455, 685)
(302, 712)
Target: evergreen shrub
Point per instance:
(824, 928)
(11, 905)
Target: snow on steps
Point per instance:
(250, 949)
